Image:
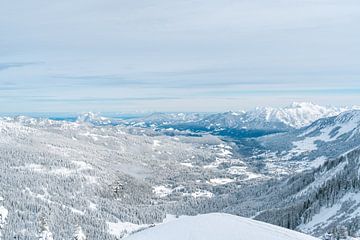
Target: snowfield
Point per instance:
(217, 226)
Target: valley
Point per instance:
(108, 178)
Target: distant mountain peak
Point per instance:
(93, 118)
(302, 105)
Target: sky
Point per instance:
(179, 55)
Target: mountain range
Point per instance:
(251, 123)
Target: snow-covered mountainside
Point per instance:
(217, 226)
(323, 202)
(312, 145)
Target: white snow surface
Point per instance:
(162, 191)
(217, 226)
(202, 194)
(220, 181)
(120, 229)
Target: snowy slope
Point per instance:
(311, 146)
(217, 226)
(324, 201)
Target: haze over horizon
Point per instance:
(73, 115)
(172, 56)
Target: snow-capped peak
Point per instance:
(299, 114)
(302, 105)
(93, 118)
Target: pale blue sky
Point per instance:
(188, 55)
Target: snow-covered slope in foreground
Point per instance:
(217, 226)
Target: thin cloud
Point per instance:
(5, 66)
(99, 99)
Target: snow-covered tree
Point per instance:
(3, 216)
(79, 234)
(44, 233)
